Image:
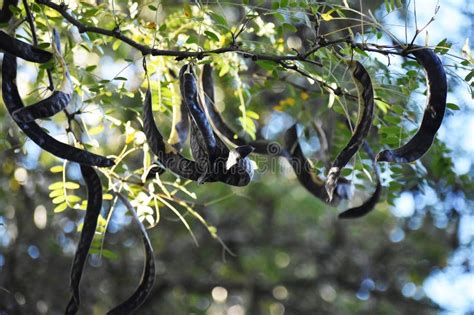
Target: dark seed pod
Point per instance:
(216, 118)
(238, 169)
(13, 102)
(167, 155)
(370, 203)
(5, 12)
(94, 205)
(366, 97)
(172, 160)
(23, 50)
(148, 278)
(260, 146)
(302, 168)
(434, 111)
(53, 104)
(233, 167)
(204, 145)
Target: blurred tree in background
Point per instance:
(269, 247)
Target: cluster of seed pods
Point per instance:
(212, 160)
(25, 116)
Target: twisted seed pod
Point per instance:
(5, 12)
(433, 116)
(302, 168)
(13, 102)
(23, 50)
(167, 155)
(366, 95)
(261, 146)
(94, 205)
(148, 276)
(210, 153)
(54, 103)
(204, 145)
(370, 203)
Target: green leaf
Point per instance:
(71, 185)
(443, 46)
(346, 172)
(266, 64)
(395, 120)
(73, 198)
(390, 130)
(397, 109)
(219, 19)
(56, 169)
(56, 193)
(60, 208)
(469, 76)
(289, 27)
(91, 68)
(58, 199)
(452, 106)
(44, 45)
(211, 36)
(56, 185)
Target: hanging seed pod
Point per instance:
(204, 146)
(22, 50)
(370, 203)
(13, 102)
(57, 101)
(238, 174)
(433, 116)
(148, 278)
(303, 170)
(260, 146)
(167, 155)
(5, 12)
(366, 111)
(94, 205)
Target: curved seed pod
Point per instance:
(57, 101)
(23, 50)
(13, 102)
(434, 111)
(233, 167)
(239, 174)
(94, 205)
(260, 146)
(166, 154)
(366, 95)
(204, 146)
(302, 168)
(148, 277)
(370, 203)
(5, 12)
(214, 115)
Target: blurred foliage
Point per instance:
(268, 248)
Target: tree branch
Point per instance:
(234, 47)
